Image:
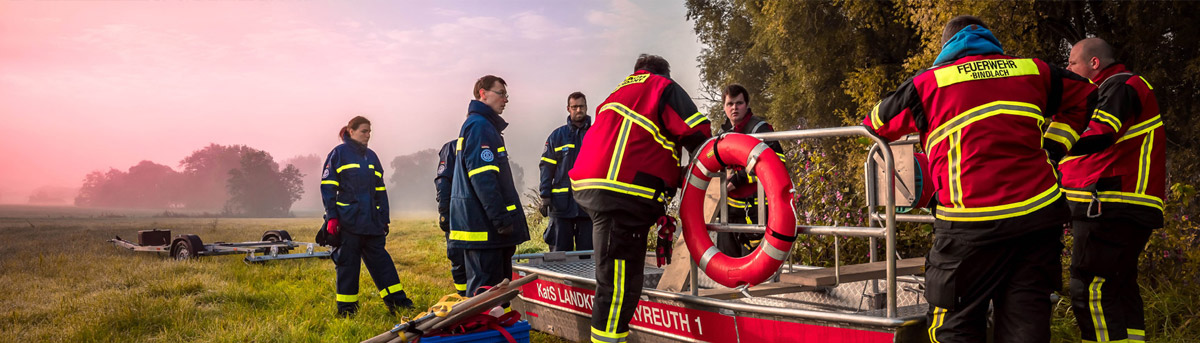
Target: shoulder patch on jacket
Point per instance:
(486, 155)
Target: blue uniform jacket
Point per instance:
(443, 182)
(483, 197)
(558, 157)
(352, 189)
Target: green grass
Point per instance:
(60, 281)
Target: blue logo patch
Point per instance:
(486, 155)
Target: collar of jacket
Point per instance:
(1109, 71)
(643, 71)
(358, 147)
(587, 122)
(480, 108)
(969, 41)
(729, 127)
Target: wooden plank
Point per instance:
(757, 291)
(675, 275)
(854, 272)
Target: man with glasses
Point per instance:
(570, 228)
(486, 217)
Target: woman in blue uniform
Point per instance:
(356, 205)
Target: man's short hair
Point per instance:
(959, 23)
(486, 82)
(733, 90)
(1098, 48)
(576, 95)
(654, 64)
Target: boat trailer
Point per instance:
(275, 245)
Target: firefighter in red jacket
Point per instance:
(981, 115)
(1116, 196)
(743, 195)
(625, 172)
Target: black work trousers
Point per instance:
(487, 267)
(1104, 279)
(1015, 276)
(458, 271)
(370, 251)
(571, 234)
(620, 224)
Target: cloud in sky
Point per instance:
(90, 85)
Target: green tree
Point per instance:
(259, 188)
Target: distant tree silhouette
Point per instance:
(145, 185)
(206, 172)
(410, 186)
(309, 165)
(259, 188)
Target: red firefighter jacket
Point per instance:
(984, 120)
(1127, 179)
(633, 145)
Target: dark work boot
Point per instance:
(397, 300)
(346, 309)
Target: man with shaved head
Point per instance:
(1001, 211)
(1115, 194)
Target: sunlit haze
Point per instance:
(93, 85)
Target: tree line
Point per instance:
(237, 180)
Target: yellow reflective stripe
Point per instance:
(875, 120)
(560, 190)
(1107, 118)
(482, 169)
(501, 149)
(614, 165)
(1147, 82)
(695, 119)
(348, 166)
(1115, 196)
(347, 298)
(380, 175)
(781, 156)
(1144, 164)
(615, 186)
(460, 287)
(1027, 206)
(1142, 128)
(1097, 310)
(1062, 133)
(470, 236)
(637, 118)
(954, 155)
(330, 182)
(548, 160)
(390, 289)
(600, 336)
(982, 112)
(614, 311)
(1077, 196)
(985, 69)
(736, 203)
(1136, 335)
(339, 203)
(372, 166)
(939, 318)
(564, 146)
(380, 188)
(511, 207)
(459, 146)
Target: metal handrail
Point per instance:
(888, 232)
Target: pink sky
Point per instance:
(89, 85)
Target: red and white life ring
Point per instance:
(735, 149)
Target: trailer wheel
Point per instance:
(278, 236)
(186, 247)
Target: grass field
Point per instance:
(61, 282)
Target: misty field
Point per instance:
(61, 281)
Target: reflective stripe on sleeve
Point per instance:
(560, 190)
(1063, 134)
(1108, 119)
(511, 207)
(330, 182)
(380, 189)
(549, 160)
(695, 119)
(564, 146)
(482, 169)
